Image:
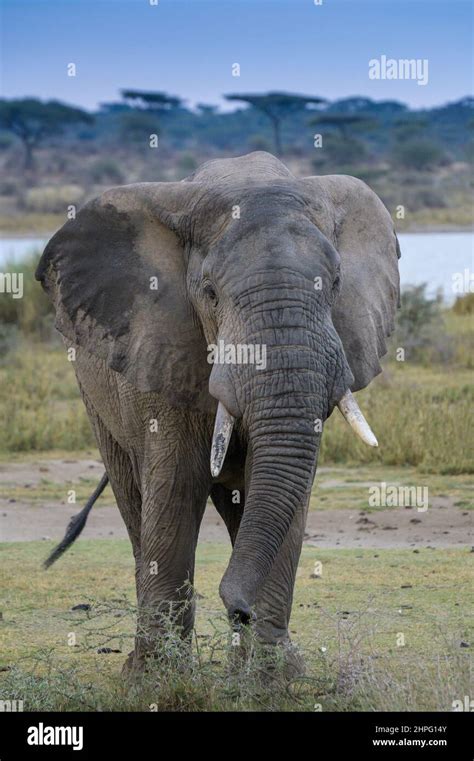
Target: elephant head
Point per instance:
(301, 272)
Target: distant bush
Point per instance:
(469, 151)
(418, 422)
(368, 174)
(429, 198)
(418, 154)
(8, 339)
(137, 126)
(187, 164)
(464, 304)
(106, 170)
(6, 141)
(340, 150)
(419, 327)
(259, 142)
(53, 198)
(9, 187)
(31, 315)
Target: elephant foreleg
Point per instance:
(275, 599)
(176, 483)
(274, 602)
(122, 480)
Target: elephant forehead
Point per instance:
(240, 209)
(257, 166)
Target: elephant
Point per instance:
(147, 281)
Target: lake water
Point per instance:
(432, 258)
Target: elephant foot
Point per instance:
(133, 667)
(268, 662)
(280, 662)
(157, 658)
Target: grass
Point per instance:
(40, 406)
(30, 223)
(54, 491)
(422, 416)
(421, 410)
(340, 487)
(348, 623)
(456, 218)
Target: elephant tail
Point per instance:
(76, 524)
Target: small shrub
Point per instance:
(137, 126)
(9, 187)
(342, 151)
(186, 164)
(419, 325)
(33, 313)
(259, 143)
(8, 339)
(106, 170)
(464, 305)
(417, 154)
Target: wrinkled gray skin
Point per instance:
(142, 357)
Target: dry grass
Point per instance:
(350, 636)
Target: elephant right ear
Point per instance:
(117, 277)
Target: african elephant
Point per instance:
(146, 282)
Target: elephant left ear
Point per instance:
(359, 226)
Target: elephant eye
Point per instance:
(210, 293)
(336, 282)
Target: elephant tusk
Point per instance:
(220, 438)
(351, 411)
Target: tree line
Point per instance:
(279, 121)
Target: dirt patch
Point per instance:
(397, 528)
(58, 471)
(443, 525)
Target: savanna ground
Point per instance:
(383, 600)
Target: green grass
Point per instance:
(420, 411)
(54, 491)
(457, 218)
(40, 406)
(421, 416)
(30, 223)
(342, 487)
(347, 623)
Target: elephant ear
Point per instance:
(116, 275)
(359, 226)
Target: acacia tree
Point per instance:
(151, 101)
(148, 107)
(32, 121)
(344, 147)
(277, 106)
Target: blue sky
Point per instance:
(187, 48)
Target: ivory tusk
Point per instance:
(220, 438)
(351, 411)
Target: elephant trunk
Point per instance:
(282, 406)
(283, 446)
